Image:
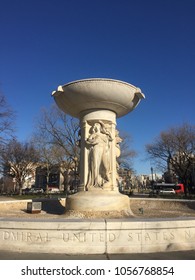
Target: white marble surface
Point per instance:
(118, 236)
(78, 96)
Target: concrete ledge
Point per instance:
(116, 236)
(156, 235)
(69, 237)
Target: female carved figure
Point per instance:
(118, 140)
(99, 156)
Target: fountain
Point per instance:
(144, 225)
(97, 103)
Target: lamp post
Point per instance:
(152, 173)
(193, 175)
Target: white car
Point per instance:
(53, 190)
(167, 191)
(36, 190)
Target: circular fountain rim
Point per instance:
(97, 94)
(98, 79)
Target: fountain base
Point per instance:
(97, 201)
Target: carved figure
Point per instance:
(118, 140)
(99, 155)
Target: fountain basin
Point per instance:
(97, 93)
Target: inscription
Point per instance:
(152, 236)
(83, 237)
(144, 236)
(189, 235)
(100, 237)
(25, 236)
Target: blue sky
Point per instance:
(150, 44)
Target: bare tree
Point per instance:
(50, 155)
(60, 129)
(6, 120)
(18, 160)
(174, 149)
(127, 154)
(57, 136)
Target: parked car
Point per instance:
(36, 190)
(167, 191)
(53, 190)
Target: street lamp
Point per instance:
(193, 175)
(152, 173)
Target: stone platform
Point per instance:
(97, 236)
(56, 231)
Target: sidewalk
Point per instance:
(178, 255)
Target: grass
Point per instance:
(35, 196)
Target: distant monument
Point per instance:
(97, 103)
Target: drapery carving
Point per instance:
(98, 145)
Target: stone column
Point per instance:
(83, 155)
(87, 119)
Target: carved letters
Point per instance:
(24, 236)
(83, 237)
(127, 237)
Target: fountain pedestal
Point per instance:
(97, 103)
(99, 201)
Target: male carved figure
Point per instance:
(99, 156)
